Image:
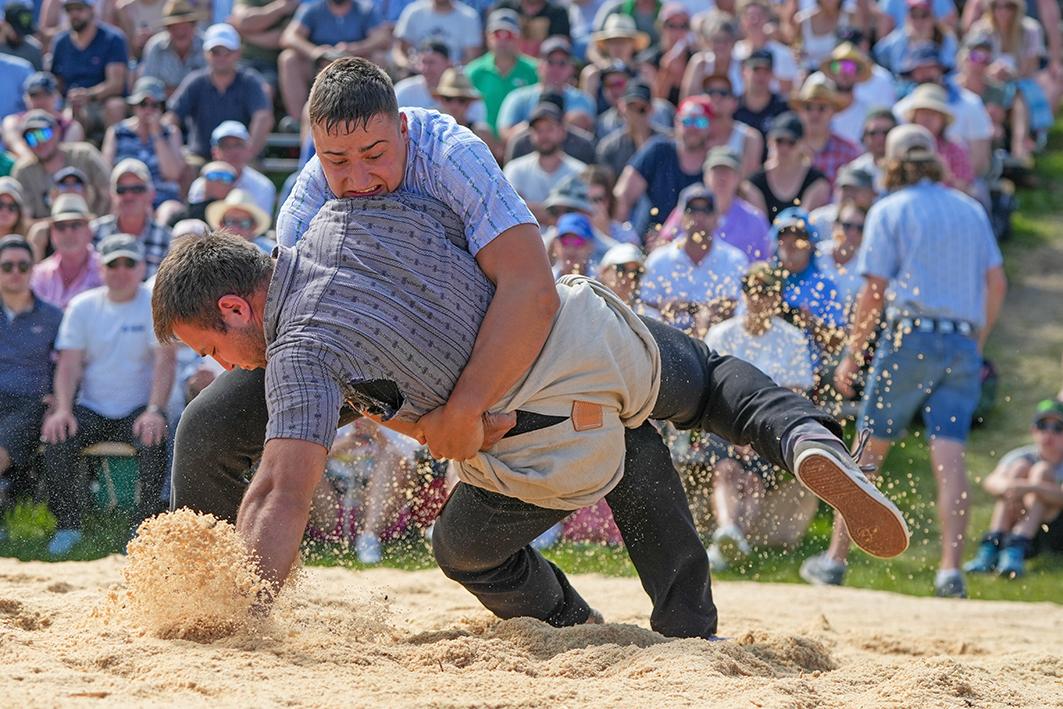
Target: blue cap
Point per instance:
(793, 218)
(576, 224)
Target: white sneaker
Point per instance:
(874, 523)
(368, 549)
(731, 543)
(63, 541)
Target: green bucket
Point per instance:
(117, 484)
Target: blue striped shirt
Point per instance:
(445, 161)
(934, 245)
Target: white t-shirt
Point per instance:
(671, 278)
(119, 344)
(251, 181)
(413, 92)
(781, 352)
(459, 29)
(532, 182)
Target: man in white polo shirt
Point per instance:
(696, 280)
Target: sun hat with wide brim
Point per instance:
(238, 199)
(621, 27)
(847, 51)
(454, 84)
(179, 11)
(815, 92)
(931, 98)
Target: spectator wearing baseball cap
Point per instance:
(572, 247)
(74, 267)
(113, 382)
(145, 137)
(320, 32)
(760, 102)
(661, 169)
(457, 27)
(40, 92)
(230, 143)
(27, 338)
(616, 78)
(17, 38)
(47, 155)
(1027, 483)
(132, 194)
(503, 69)
(535, 174)
(176, 51)
(215, 181)
(92, 70)
(578, 143)
(555, 73)
(786, 164)
(221, 92)
(854, 184)
(550, 13)
(695, 281)
(633, 125)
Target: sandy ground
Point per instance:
(386, 637)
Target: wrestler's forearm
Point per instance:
(517, 322)
(276, 507)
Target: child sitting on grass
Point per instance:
(1028, 485)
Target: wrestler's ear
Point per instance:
(235, 311)
(404, 128)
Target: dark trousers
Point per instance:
(481, 539)
(66, 478)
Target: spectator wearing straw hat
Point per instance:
(848, 68)
(555, 72)
(40, 91)
(238, 213)
(177, 51)
(615, 45)
(112, 383)
(74, 267)
(816, 104)
(27, 338)
(457, 97)
(146, 138)
(928, 107)
(40, 131)
(17, 33)
(132, 194)
(230, 142)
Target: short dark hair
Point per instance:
(880, 113)
(198, 272)
(349, 92)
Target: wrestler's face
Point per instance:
(362, 161)
(240, 344)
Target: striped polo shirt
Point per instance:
(377, 306)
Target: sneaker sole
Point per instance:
(874, 523)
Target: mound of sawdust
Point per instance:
(392, 638)
(190, 576)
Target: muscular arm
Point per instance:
(511, 336)
(254, 20)
(295, 37)
(629, 188)
(113, 82)
(869, 303)
(276, 506)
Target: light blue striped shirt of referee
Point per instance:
(445, 161)
(934, 245)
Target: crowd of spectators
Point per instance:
(714, 163)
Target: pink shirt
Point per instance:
(47, 282)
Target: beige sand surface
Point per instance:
(429, 644)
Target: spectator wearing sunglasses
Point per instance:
(621, 271)
(572, 248)
(662, 168)
(837, 258)
(877, 126)
(855, 185)
(894, 51)
(146, 138)
(725, 132)
(816, 104)
(847, 68)
(132, 194)
(74, 266)
(230, 142)
(239, 214)
(1028, 486)
(66, 180)
(216, 179)
(633, 127)
(40, 92)
(27, 338)
(40, 131)
(112, 383)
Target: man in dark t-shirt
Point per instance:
(539, 19)
(759, 104)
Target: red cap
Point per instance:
(695, 106)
